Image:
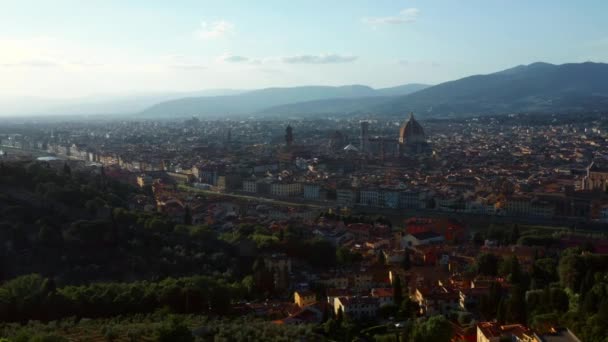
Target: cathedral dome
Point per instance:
(411, 132)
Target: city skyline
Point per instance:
(68, 49)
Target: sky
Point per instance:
(69, 49)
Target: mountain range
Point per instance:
(263, 101)
(535, 88)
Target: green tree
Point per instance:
(187, 215)
(67, 170)
(487, 264)
(571, 271)
(406, 264)
(516, 306)
(515, 234)
(435, 329)
(174, 331)
(397, 291)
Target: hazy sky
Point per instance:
(63, 48)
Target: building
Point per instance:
(250, 185)
(384, 295)
(597, 177)
(144, 180)
(357, 307)
(436, 300)
(410, 200)
(286, 189)
(412, 140)
(422, 238)
(361, 281)
(370, 198)
(557, 335)
(494, 332)
(312, 191)
(390, 199)
(304, 298)
(346, 197)
(364, 138)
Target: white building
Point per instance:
(312, 191)
(346, 197)
(285, 189)
(250, 185)
(357, 307)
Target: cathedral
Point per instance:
(412, 141)
(596, 178)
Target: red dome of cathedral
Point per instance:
(411, 132)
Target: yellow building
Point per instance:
(304, 298)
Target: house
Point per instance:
(334, 281)
(361, 281)
(357, 307)
(332, 294)
(304, 298)
(308, 315)
(422, 238)
(470, 298)
(384, 295)
(494, 332)
(436, 300)
(557, 335)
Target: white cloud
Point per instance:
(214, 30)
(318, 59)
(418, 64)
(408, 15)
(31, 63)
(233, 59)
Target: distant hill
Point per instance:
(265, 100)
(100, 104)
(401, 90)
(328, 106)
(534, 88)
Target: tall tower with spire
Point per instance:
(289, 136)
(364, 137)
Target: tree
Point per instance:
(515, 234)
(510, 269)
(406, 264)
(435, 329)
(478, 239)
(571, 268)
(516, 306)
(174, 331)
(397, 291)
(487, 264)
(187, 215)
(409, 308)
(66, 169)
(501, 312)
(48, 338)
(381, 258)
